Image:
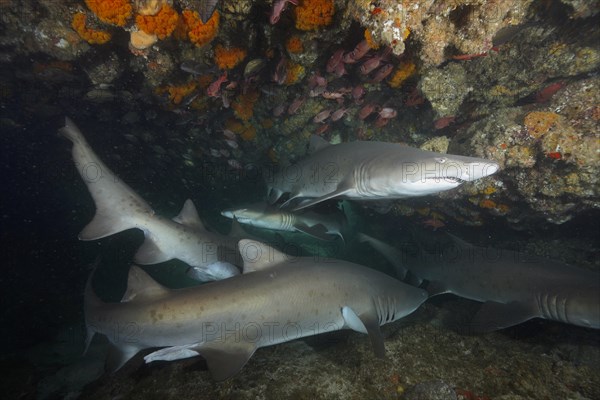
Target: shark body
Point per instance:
(372, 171)
(513, 287)
(119, 208)
(261, 215)
(276, 300)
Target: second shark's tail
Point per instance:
(117, 205)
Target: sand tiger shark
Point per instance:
(365, 170)
(513, 286)
(277, 299)
(119, 208)
(262, 215)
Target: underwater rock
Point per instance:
(431, 390)
(445, 89)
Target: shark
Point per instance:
(514, 287)
(278, 298)
(262, 215)
(364, 170)
(118, 208)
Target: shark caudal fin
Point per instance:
(117, 205)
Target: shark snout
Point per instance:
(479, 169)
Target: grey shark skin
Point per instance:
(514, 287)
(276, 300)
(119, 208)
(372, 171)
(261, 215)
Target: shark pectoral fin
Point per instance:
(318, 231)
(173, 353)
(341, 189)
(104, 224)
(225, 359)
(434, 288)
(150, 253)
(188, 216)
(367, 322)
(119, 355)
(493, 316)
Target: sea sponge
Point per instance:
(538, 123)
(115, 12)
(162, 24)
(404, 71)
(487, 203)
(249, 133)
(141, 40)
(313, 14)
(91, 36)
(198, 32)
(294, 45)
(227, 58)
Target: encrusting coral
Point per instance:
(228, 57)
(91, 36)
(313, 14)
(115, 12)
(162, 24)
(198, 32)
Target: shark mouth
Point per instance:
(452, 179)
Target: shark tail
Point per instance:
(117, 205)
(391, 254)
(91, 302)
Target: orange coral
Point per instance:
(538, 123)
(294, 45)
(370, 41)
(162, 24)
(404, 71)
(115, 12)
(313, 14)
(294, 73)
(198, 32)
(249, 133)
(487, 203)
(91, 36)
(243, 106)
(227, 58)
(177, 93)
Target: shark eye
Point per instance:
(440, 160)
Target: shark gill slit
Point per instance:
(361, 177)
(553, 307)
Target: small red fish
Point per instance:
(278, 8)
(388, 112)
(322, 116)
(434, 223)
(443, 122)
(359, 52)
(366, 111)
(296, 104)
(213, 90)
(555, 155)
(334, 61)
(382, 73)
(338, 114)
(322, 129)
(544, 95)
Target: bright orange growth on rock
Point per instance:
(487, 203)
(115, 12)
(227, 58)
(294, 73)
(91, 36)
(370, 41)
(538, 123)
(162, 24)
(313, 14)
(177, 93)
(404, 71)
(197, 32)
(294, 45)
(243, 105)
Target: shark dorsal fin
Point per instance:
(189, 216)
(258, 256)
(317, 143)
(141, 286)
